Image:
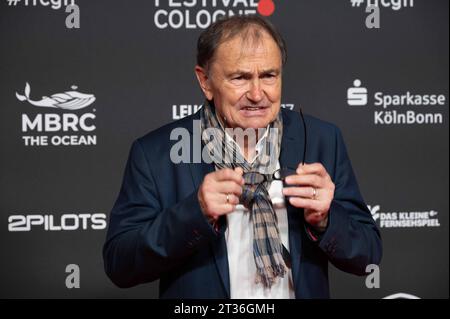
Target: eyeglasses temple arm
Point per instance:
(304, 130)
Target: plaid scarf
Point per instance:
(268, 251)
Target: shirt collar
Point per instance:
(258, 147)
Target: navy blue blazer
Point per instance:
(157, 230)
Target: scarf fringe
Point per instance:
(268, 275)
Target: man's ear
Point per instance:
(203, 80)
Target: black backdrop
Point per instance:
(140, 72)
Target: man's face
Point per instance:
(244, 80)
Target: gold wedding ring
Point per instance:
(314, 193)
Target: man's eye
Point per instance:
(238, 80)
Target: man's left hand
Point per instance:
(313, 190)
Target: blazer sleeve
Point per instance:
(352, 240)
(144, 241)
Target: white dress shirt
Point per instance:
(239, 240)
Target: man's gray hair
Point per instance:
(248, 26)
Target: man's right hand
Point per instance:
(213, 192)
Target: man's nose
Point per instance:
(255, 93)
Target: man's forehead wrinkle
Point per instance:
(248, 51)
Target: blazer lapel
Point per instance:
(292, 144)
(218, 246)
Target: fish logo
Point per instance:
(69, 100)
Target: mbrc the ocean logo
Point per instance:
(67, 120)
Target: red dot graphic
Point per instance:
(266, 7)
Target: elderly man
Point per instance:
(244, 224)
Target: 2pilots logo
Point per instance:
(199, 14)
(55, 123)
(50, 222)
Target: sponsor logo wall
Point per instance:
(73, 100)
